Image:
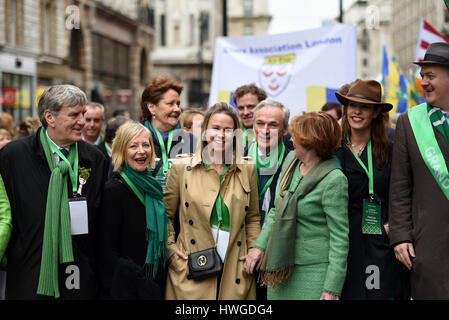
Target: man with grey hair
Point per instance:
(54, 182)
(94, 118)
(268, 152)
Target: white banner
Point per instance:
(300, 69)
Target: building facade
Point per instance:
(248, 17)
(102, 47)
(184, 45)
(406, 17)
(185, 32)
(373, 20)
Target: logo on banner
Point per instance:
(275, 73)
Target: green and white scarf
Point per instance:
(439, 121)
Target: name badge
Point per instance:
(78, 216)
(371, 217)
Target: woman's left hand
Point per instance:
(329, 296)
(252, 259)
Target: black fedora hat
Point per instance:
(436, 53)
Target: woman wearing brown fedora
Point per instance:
(365, 156)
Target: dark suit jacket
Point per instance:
(288, 147)
(419, 213)
(26, 175)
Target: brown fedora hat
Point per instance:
(366, 92)
(436, 53)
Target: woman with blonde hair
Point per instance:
(133, 224)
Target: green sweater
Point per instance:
(322, 227)
(5, 219)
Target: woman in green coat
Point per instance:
(5, 233)
(303, 247)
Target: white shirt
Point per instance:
(55, 155)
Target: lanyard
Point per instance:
(162, 144)
(254, 155)
(133, 187)
(73, 173)
(219, 202)
(245, 138)
(108, 150)
(368, 171)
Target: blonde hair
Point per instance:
(4, 132)
(186, 117)
(125, 134)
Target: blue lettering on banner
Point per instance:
(284, 47)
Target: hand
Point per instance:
(179, 254)
(387, 229)
(403, 252)
(329, 296)
(252, 259)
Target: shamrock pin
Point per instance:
(84, 174)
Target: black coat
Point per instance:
(370, 250)
(183, 142)
(261, 291)
(103, 150)
(26, 175)
(288, 147)
(123, 246)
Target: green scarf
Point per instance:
(438, 121)
(57, 232)
(150, 193)
(279, 258)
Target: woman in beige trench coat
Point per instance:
(193, 187)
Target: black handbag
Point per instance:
(205, 263)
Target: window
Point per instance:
(204, 27)
(248, 29)
(143, 66)
(247, 8)
(176, 35)
(47, 26)
(162, 24)
(192, 29)
(76, 48)
(110, 62)
(16, 92)
(14, 28)
(365, 62)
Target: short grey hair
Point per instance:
(96, 105)
(276, 104)
(58, 96)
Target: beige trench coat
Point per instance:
(193, 189)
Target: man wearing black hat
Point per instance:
(419, 185)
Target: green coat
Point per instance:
(321, 228)
(5, 219)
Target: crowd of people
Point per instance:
(228, 203)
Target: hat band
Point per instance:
(431, 57)
(362, 97)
